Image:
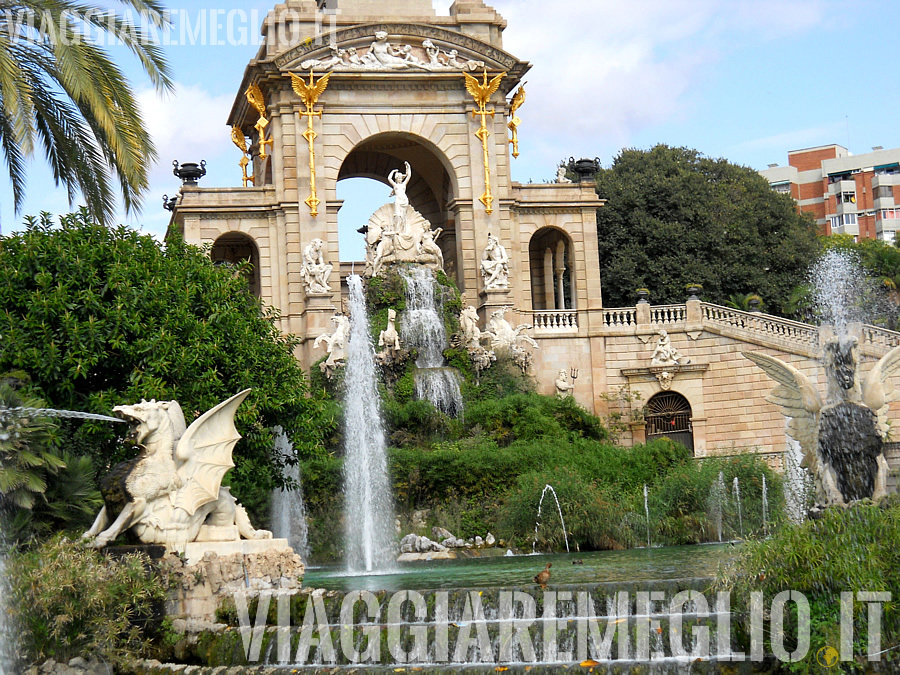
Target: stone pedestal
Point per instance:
(208, 573)
(492, 300)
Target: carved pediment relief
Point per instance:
(396, 47)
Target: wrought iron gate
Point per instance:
(669, 415)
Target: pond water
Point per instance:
(673, 562)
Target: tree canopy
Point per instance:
(674, 217)
(100, 317)
(63, 92)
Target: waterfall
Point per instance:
(288, 508)
(369, 510)
(423, 330)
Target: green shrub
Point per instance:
(594, 516)
(68, 601)
(847, 550)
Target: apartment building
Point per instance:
(846, 193)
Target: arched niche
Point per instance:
(431, 190)
(669, 415)
(234, 248)
(552, 270)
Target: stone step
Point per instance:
(605, 599)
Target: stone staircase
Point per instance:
(670, 626)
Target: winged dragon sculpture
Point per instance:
(841, 436)
(173, 488)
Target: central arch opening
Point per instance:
(364, 187)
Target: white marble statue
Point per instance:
(842, 437)
(505, 338)
(390, 338)
(382, 55)
(666, 354)
(315, 272)
(472, 339)
(561, 175)
(172, 492)
(564, 388)
(397, 233)
(335, 343)
(495, 265)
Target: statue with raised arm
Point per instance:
(495, 265)
(399, 181)
(842, 436)
(172, 492)
(315, 272)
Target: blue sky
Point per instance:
(747, 80)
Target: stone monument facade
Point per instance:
(381, 92)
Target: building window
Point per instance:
(884, 192)
(837, 177)
(846, 198)
(889, 214)
(843, 221)
(784, 187)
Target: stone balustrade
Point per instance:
(762, 324)
(558, 320)
(620, 318)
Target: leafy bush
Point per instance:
(847, 550)
(68, 600)
(98, 317)
(594, 516)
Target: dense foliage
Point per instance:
(100, 317)
(675, 217)
(63, 93)
(847, 550)
(67, 600)
(486, 472)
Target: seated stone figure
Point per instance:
(172, 491)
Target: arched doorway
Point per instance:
(432, 188)
(234, 248)
(669, 414)
(550, 259)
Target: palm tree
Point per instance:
(60, 90)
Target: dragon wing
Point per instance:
(237, 136)
(878, 391)
(203, 454)
(256, 99)
(797, 398)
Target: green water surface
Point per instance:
(673, 562)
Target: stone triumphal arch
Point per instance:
(366, 88)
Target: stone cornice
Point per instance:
(653, 371)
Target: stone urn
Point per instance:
(694, 291)
(586, 169)
(643, 296)
(189, 172)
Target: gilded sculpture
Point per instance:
(238, 138)
(309, 94)
(518, 100)
(256, 99)
(482, 93)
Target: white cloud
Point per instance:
(605, 69)
(188, 126)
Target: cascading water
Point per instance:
(369, 510)
(717, 502)
(765, 506)
(423, 330)
(842, 292)
(537, 523)
(647, 512)
(288, 508)
(737, 499)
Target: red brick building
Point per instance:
(845, 193)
